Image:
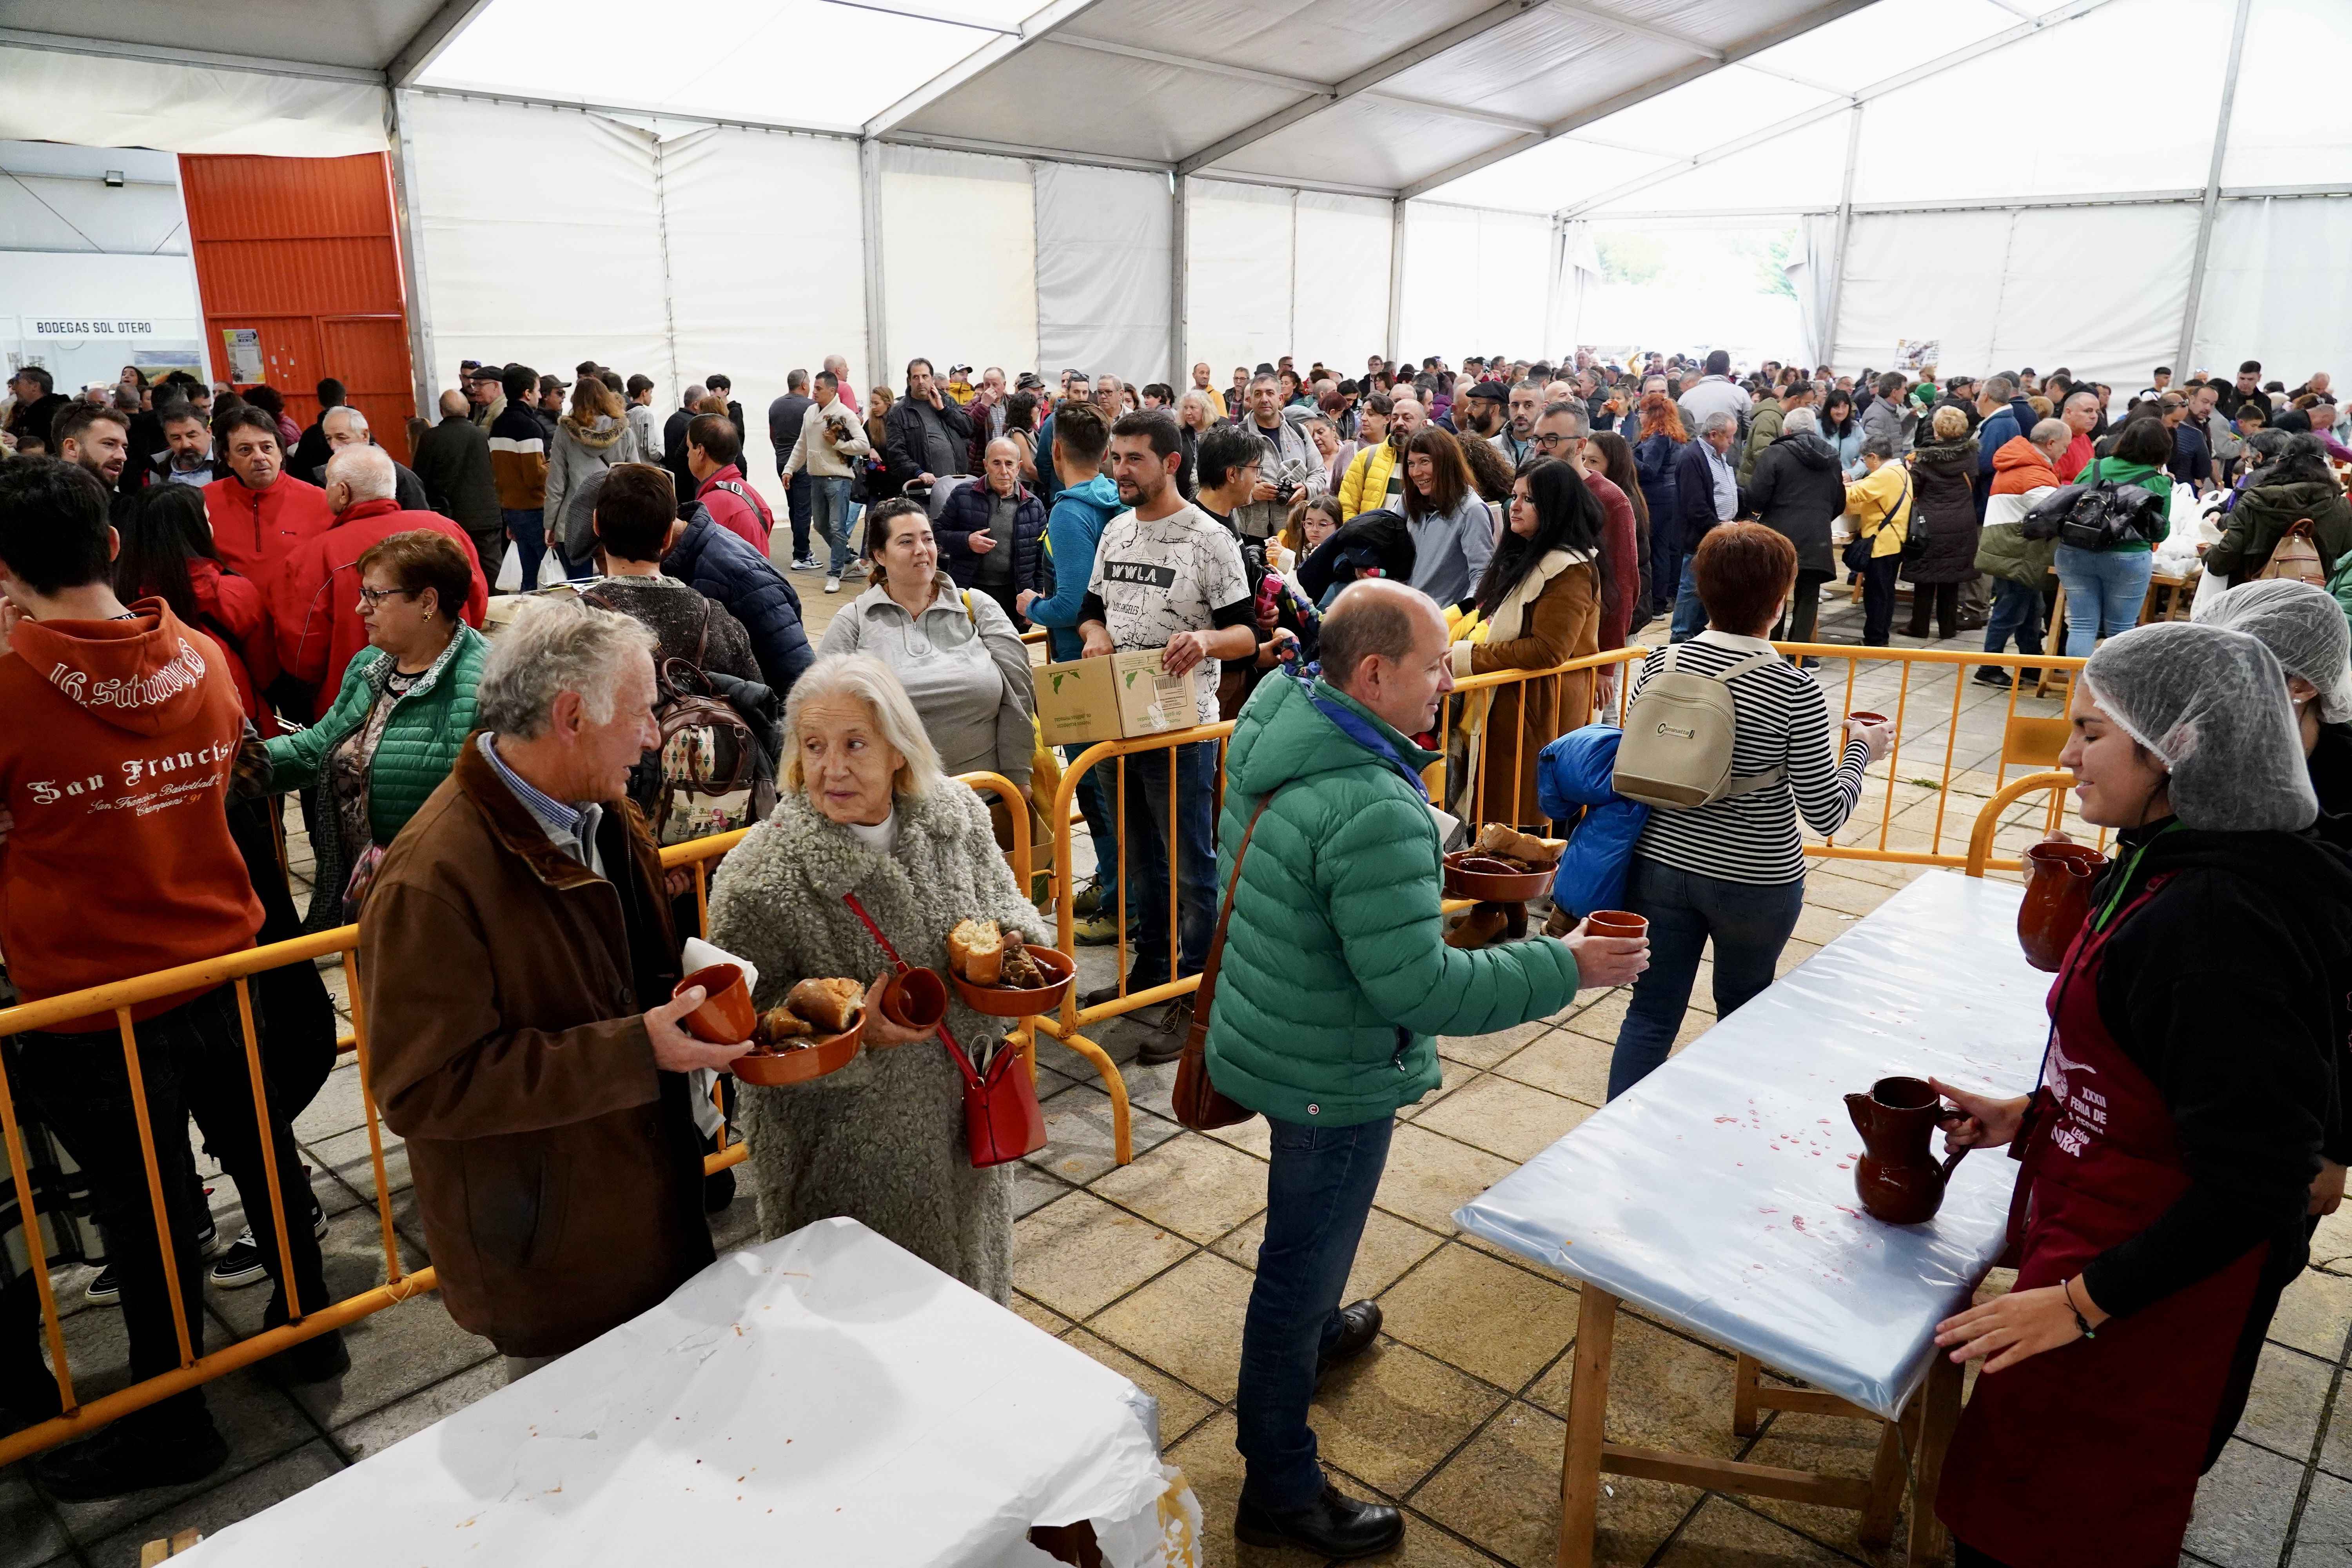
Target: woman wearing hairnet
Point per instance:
(2167, 1154)
(2304, 626)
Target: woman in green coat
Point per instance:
(405, 708)
(2299, 486)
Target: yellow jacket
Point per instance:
(1880, 507)
(1365, 486)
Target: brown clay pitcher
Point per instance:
(1899, 1179)
(2059, 875)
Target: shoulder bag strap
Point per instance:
(1194, 1098)
(1207, 994)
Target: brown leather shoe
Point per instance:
(1482, 925)
(1560, 922)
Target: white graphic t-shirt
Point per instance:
(1156, 579)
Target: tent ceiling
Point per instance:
(1547, 106)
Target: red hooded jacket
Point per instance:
(253, 531)
(747, 518)
(238, 618)
(116, 739)
(317, 597)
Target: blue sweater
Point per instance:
(1073, 528)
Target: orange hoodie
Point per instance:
(116, 738)
(2018, 466)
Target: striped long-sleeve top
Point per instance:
(1784, 721)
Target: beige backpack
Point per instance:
(2295, 558)
(1679, 735)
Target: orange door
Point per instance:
(370, 356)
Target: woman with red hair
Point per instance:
(1662, 436)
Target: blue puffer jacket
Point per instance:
(966, 513)
(727, 568)
(1574, 772)
(1072, 531)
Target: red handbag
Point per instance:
(1002, 1118)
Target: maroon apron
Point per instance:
(2090, 1453)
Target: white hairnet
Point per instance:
(2303, 627)
(2211, 704)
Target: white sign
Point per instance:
(244, 346)
(91, 327)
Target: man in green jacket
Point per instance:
(1334, 984)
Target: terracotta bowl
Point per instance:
(915, 1000)
(1864, 716)
(1016, 1002)
(727, 1015)
(1492, 886)
(802, 1063)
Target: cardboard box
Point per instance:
(1078, 702)
(1150, 701)
(1123, 697)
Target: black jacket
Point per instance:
(2242, 1036)
(785, 416)
(406, 488)
(903, 449)
(311, 452)
(1693, 496)
(966, 511)
(38, 417)
(453, 460)
(674, 458)
(724, 566)
(1798, 490)
(1942, 475)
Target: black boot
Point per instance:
(1360, 1325)
(128, 1456)
(1333, 1525)
(314, 1359)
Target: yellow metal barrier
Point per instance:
(237, 969)
(1989, 819)
(2026, 739)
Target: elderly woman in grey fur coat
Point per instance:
(866, 809)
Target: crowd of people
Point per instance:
(212, 608)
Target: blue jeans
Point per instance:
(1751, 923)
(1690, 615)
(2016, 611)
(2104, 590)
(799, 491)
(527, 526)
(1146, 858)
(1319, 1190)
(1096, 805)
(830, 508)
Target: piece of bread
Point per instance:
(829, 1005)
(1495, 838)
(976, 951)
(783, 1026)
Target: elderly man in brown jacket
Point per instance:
(517, 958)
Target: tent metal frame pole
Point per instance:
(1179, 279)
(869, 193)
(1396, 279)
(2213, 200)
(421, 366)
(1827, 348)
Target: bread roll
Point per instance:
(1495, 838)
(976, 951)
(829, 1005)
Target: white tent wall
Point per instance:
(1239, 277)
(2274, 289)
(542, 236)
(1476, 280)
(1102, 260)
(749, 295)
(2099, 290)
(958, 260)
(53, 96)
(1339, 279)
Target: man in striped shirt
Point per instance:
(518, 465)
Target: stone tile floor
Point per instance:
(1457, 1412)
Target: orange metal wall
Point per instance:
(303, 251)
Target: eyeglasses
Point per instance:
(374, 597)
(1547, 439)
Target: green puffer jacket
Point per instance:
(420, 739)
(1336, 977)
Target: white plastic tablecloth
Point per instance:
(1719, 1191)
(825, 1398)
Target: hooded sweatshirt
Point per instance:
(255, 531)
(1073, 528)
(579, 451)
(116, 740)
(2243, 1037)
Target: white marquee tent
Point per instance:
(1135, 185)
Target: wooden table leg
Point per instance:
(1877, 1527)
(1939, 1412)
(1743, 1395)
(1588, 1416)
